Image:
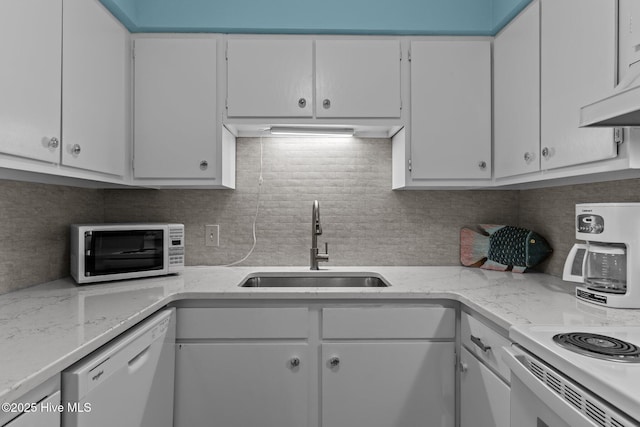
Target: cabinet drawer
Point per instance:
(388, 322)
(230, 323)
(476, 335)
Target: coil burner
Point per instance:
(599, 346)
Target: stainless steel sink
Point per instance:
(315, 281)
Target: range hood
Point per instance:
(622, 107)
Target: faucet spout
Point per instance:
(316, 230)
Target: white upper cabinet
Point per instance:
(270, 78)
(450, 109)
(516, 86)
(358, 78)
(176, 130)
(30, 78)
(275, 78)
(578, 57)
(95, 101)
(545, 69)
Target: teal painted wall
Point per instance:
(421, 17)
(327, 16)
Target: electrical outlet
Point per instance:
(212, 235)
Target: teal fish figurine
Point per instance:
(503, 247)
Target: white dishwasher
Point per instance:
(127, 382)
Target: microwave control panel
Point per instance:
(176, 244)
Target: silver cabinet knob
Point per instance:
(334, 362)
(53, 142)
(546, 152)
(302, 102)
(204, 165)
(528, 157)
(75, 150)
(326, 104)
(464, 367)
(482, 165)
(294, 362)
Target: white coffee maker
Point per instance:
(604, 264)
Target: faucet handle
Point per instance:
(326, 248)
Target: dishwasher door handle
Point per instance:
(139, 360)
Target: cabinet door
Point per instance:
(95, 128)
(395, 384)
(40, 418)
(484, 398)
(175, 129)
(451, 109)
(516, 86)
(358, 78)
(269, 78)
(578, 64)
(30, 78)
(241, 384)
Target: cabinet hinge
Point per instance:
(409, 55)
(618, 135)
(409, 165)
(133, 51)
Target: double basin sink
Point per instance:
(311, 280)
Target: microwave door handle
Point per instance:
(513, 358)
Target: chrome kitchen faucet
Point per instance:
(316, 230)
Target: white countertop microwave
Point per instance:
(103, 252)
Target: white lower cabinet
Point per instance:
(316, 366)
(387, 384)
(37, 408)
(40, 418)
(484, 377)
(244, 366)
(242, 384)
(381, 368)
(484, 397)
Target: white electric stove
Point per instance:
(553, 384)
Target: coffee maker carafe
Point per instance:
(606, 268)
(612, 233)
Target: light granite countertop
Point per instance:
(46, 328)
